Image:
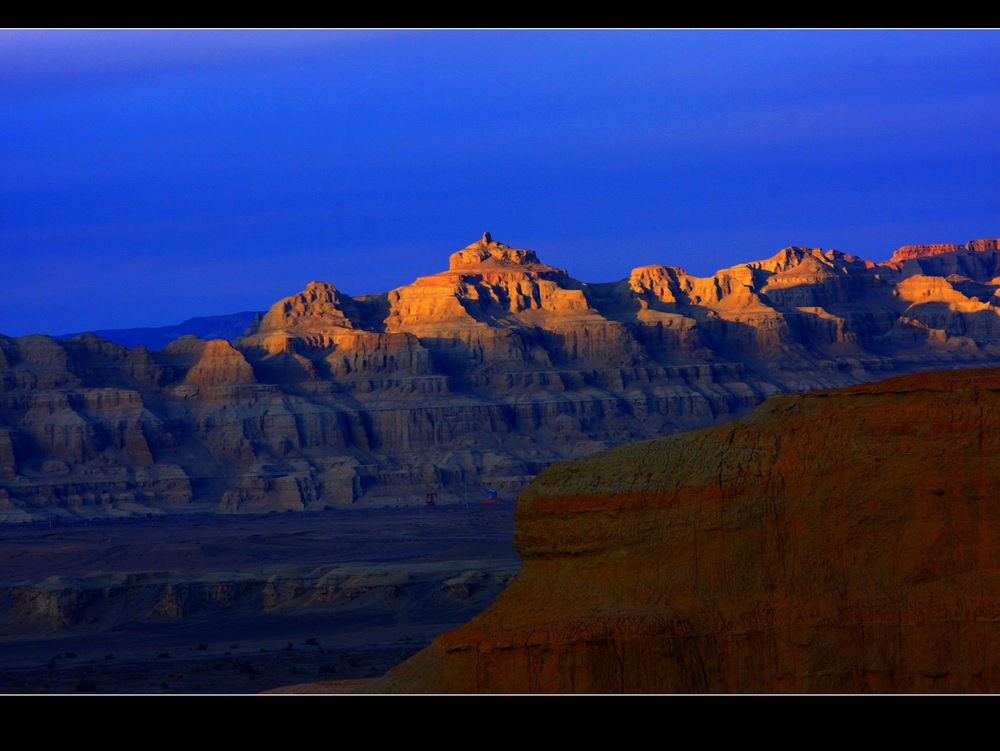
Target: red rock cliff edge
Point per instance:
(837, 541)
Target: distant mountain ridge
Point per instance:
(234, 325)
(228, 326)
(472, 378)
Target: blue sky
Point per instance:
(148, 176)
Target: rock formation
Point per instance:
(475, 377)
(844, 540)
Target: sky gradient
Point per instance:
(150, 176)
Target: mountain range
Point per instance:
(470, 379)
(157, 337)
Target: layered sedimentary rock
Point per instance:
(838, 541)
(119, 600)
(475, 377)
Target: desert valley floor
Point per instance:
(392, 579)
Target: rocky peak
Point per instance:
(319, 305)
(907, 252)
(488, 251)
(218, 363)
(793, 257)
(986, 243)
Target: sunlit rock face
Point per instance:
(475, 377)
(838, 541)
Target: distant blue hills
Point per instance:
(226, 327)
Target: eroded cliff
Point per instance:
(475, 377)
(843, 540)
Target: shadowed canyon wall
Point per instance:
(843, 540)
(475, 377)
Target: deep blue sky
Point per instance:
(150, 176)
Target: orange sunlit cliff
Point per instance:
(478, 376)
(839, 541)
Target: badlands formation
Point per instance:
(844, 540)
(479, 376)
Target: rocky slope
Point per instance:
(839, 541)
(477, 376)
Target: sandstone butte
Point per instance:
(845, 540)
(476, 377)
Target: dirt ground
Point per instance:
(452, 561)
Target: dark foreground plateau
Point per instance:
(241, 604)
(844, 541)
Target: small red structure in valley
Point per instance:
(492, 497)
